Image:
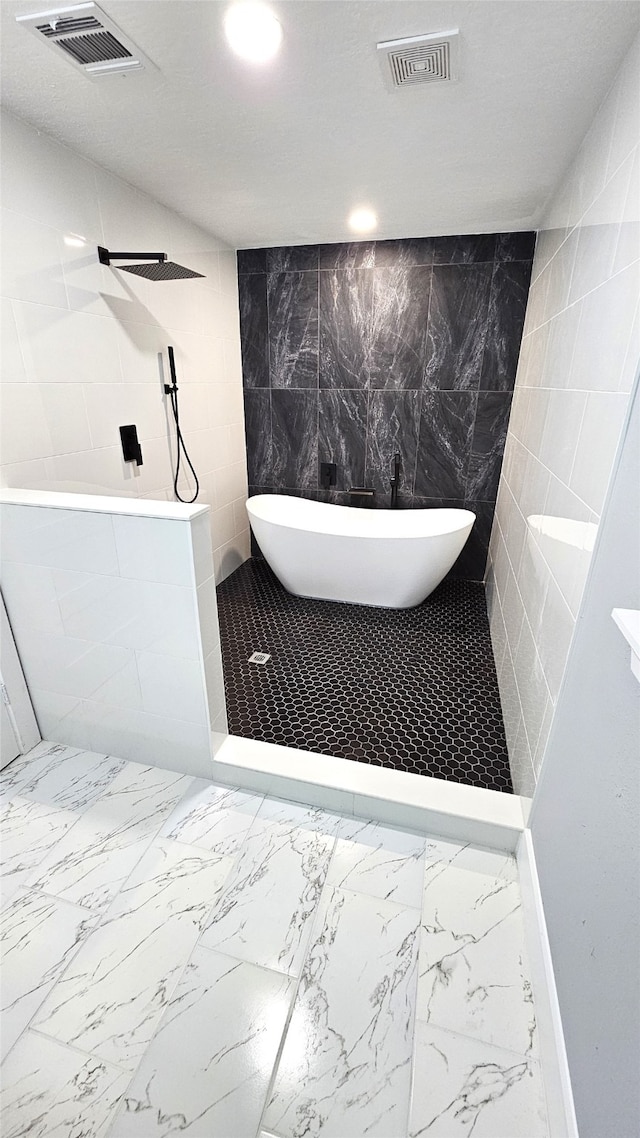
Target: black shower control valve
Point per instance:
(328, 474)
(131, 449)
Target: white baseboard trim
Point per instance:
(411, 801)
(553, 1055)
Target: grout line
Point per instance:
(579, 299)
(532, 454)
(414, 1032)
(579, 223)
(77, 1050)
(314, 923)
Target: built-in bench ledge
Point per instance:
(628, 621)
(102, 504)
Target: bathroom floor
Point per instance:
(412, 689)
(185, 958)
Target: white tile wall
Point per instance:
(118, 641)
(81, 342)
(579, 358)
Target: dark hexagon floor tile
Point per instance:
(413, 689)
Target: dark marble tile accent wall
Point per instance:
(446, 433)
(342, 433)
(399, 327)
(257, 425)
(458, 319)
(508, 299)
(394, 425)
(252, 290)
(487, 446)
(293, 329)
(294, 438)
(354, 351)
(345, 318)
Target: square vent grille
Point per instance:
(420, 59)
(87, 38)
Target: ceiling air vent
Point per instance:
(420, 59)
(87, 38)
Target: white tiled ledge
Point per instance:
(99, 504)
(628, 621)
(419, 802)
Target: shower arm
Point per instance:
(105, 256)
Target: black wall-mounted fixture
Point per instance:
(328, 474)
(131, 449)
(163, 270)
(395, 481)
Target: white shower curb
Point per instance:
(397, 798)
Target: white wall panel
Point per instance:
(577, 364)
(86, 338)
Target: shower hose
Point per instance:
(172, 392)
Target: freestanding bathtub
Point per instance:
(390, 558)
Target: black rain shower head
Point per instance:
(161, 270)
(164, 271)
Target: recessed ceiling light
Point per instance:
(252, 31)
(363, 220)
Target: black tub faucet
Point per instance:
(395, 481)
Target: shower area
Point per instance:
(377, 374)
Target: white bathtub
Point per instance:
(391, 558)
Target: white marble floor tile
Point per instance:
(441, 853)
(39, 937)
(90, 866)
(346, 1063)
(216, 818)
(380, 861)
(208, 1067)
(215, 904)
(30, 830)
(60, 776)
(473, 974)
(462, 1086)
(113, 994)
(310, 818)
(51, 1091)
(264, 914)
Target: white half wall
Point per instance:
(578, 360)
(81, 343)
(112, 604)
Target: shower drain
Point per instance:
(259, 658)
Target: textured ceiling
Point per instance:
(280, 154)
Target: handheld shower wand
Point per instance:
(172, 391)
